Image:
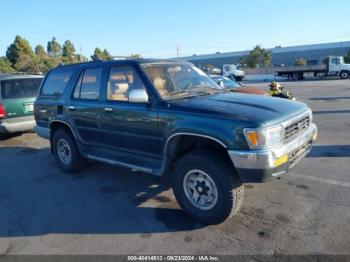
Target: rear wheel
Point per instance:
(206, 187)
(297, 76)
(344, 74)
(66, 152)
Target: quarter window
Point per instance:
(56, 82)
(88, 85)
(121, 81)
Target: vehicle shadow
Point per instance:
(326, 112)
(36, 198)
(330, 151)
(331, 98)
(4, 137)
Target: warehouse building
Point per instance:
(281, 56)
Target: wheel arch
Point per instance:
(179, 144)
(58, 124)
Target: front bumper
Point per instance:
(255, 166)
(18, 124)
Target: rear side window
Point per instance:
(56, 82)
(20, 88)
(88, 85)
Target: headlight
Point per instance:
(264, 137)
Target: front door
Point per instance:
(128, 127)
(334, 65)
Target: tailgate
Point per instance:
(18, 96)
(18, 107)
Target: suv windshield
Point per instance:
(178, 80)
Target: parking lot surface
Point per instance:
(111, 210)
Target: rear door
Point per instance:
(18, 96)
(84, 108)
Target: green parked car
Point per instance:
(17, 95)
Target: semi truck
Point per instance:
(332, 66)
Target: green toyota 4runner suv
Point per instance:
(169, 119)
(17, 95)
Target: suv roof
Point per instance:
(15, 76)
(120, 61)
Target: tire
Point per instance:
(63, 141)
(344, 74)
(297, 76)
(229, 189)
(238, 78)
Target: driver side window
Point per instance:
(335, 61)
(121, 81)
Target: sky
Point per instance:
(155, 28)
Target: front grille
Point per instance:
(296, 127)
(297, 154)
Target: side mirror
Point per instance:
(138, 96)
(221, 83)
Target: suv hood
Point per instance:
(255, 109)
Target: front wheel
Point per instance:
(206, 187)
(239, 78)
(344, 74)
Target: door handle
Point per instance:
(72, 108)
(108, 109)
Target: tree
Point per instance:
(256, 58)
(300, 62)
(43, 61)
(68, 52)
(5, 65)
(100, 55)
(347, 57)
(21, 55)
(135, 56)
(40, 52)
(54, 48)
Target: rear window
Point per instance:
(20, 88)
(56, 82)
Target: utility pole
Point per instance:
(81, 54)
(178, 50)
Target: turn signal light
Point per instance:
(253, 138)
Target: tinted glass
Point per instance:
(20, 88)
(88, 86)
(121, 81)
(56, 83)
